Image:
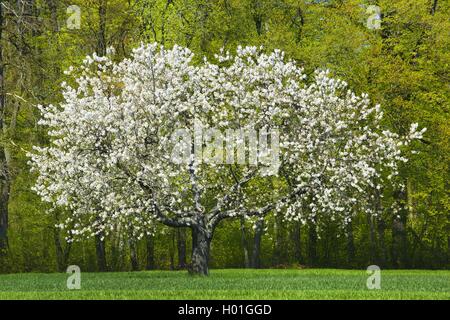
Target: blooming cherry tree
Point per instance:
(112, 161)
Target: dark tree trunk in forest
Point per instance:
(399, 243)
(381, 227)
(4, 168)
(181, 245)
(377, 228)
(448, 248)
(150, 252)
(116, 260)
(257, 16)
(133, 255)
(279, 249)
(101, 40)
(201, 241)
(434, 7)
(350, 244)
(372, 240)
(296, 238)
(172, 250)
(399, 236)
(299, 21)
(259, 229)
(244, 243)
(100, 252)
(312, 243)
(62, 253)
(326, 246)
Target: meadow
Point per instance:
(227, 284)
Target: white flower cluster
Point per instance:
(109, 161)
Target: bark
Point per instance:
(201, 241)
(296, 238)
(377, 227)
(59, 250)
(100, 252)
(244, 243)
(312, 243)
(116, 250)
(62, 253)
(279, 252)
(259, 229)
(381, 227)
(372, 240)
(150, 252)
(448, 248)
(181, 245)
(4, 201)
(172, 250)
(434, 7)
(257, 17)
(4, 168)
(399, 236)
(399, 243)
(326, 246)
(350, 244)
(133, 255)
(298, 21)
(101, 40)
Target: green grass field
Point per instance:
(231, 284)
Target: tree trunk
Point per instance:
(279, 240)
(448, 248)
(244, 244)
(62, 253)
(259, 228)
(399, 236)
(133, 255)
(100, 252)
(434, 7)
(350, 244)
(296, 238)
(381, 226)
(257, 16)
(150, 252)
(312, 243)
(372, 240)
(181, 245)
(4, 201)
(101, 41)
(59, 250)
(116, 260)
(399, 243)
(377, 227)
(201, 241)
(4, 169)
(172, 250)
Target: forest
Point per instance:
(398, 52)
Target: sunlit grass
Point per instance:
(231, 284)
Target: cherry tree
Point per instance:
(126, 149)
